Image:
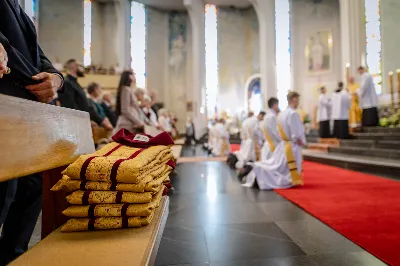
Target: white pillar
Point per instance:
(353, 38)
(390, 35)
(196, 14)
(124, 33)
(265, 10)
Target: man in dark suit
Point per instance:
(74, 96)
(25, 72)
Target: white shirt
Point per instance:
(367, 93)
(341, 102)
(221, 131)
(164, 123)
(324, 108)
(292, 125)
(271, 126)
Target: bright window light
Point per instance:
(374, 45)
(283, 71)
(211, 40)
(138, 42)
(87, 32)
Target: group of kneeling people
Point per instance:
(270, 154)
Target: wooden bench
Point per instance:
(37, 137)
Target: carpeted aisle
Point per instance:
(362, 207)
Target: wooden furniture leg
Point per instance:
(53, 202)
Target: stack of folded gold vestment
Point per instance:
(118, 186)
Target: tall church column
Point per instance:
(352, 26)
(196, 13)
(266, 17)
(124, 33)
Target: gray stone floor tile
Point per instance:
(248, 241)
(283, 211)
(314, 237)
(182, 245)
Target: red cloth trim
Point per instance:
(113, 150)
(119, 197)
(91, 211)
(83, 185)
(85, 198)
(114, 169)
(125, 223)
(124, 209)
(91, 224)
(85, 166)
(171, 163)
(125, 137)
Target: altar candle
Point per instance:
(347, 72)
(391, 86)
(398, 85)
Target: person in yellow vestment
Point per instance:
(285, 168)
(355, 110)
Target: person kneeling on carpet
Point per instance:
(284, 168)
(221, 146)
(252, 140)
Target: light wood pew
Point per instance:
(36, 137)
(134, 247)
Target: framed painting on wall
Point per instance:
(318, 52)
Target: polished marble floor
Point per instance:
(214, 221)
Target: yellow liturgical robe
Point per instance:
(355, 110)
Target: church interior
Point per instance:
(199, 132)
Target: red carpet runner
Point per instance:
(362, 207)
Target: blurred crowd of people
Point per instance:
(92, 69)
(133, 108)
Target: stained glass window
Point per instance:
(138, 42)
(374, 46)
(211, 40)
(283, 61)
(87, 32)
(31, 9)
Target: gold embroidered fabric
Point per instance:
(147, 184)
(126, 151)
(115, 210)
(100, 197)
(104, 223)
(129, 171)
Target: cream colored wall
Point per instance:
(390, 33)
(307, 18)
(60, 29)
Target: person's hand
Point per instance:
(3, 61)
(107, 124)
(299, 142)
(47, 88)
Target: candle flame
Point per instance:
(398, 71)
(391, 73)
(348, 65)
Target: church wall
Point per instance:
(169, 60)
(390, 33)
(239, 56)
(307, 19)
(110, 36)
(60, 29)
(157, 49)
(97, 33)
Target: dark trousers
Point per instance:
(20, 206)
(324, 129)
(341, 129)
(370, 117)
(189, 140)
